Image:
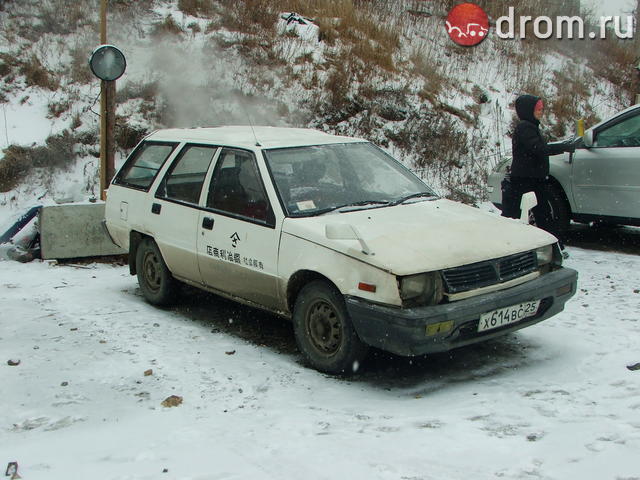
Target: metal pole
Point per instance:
(103, 107)
(107, 116)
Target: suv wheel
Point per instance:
(156, 282)
(560, 213)
(324, 332)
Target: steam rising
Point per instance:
(203, 85)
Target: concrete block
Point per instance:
(74, 230)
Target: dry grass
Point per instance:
(197, 8)
(148, 91)
(79, 70)
(256, 17)
(18, 161)
(56, 109)
(62, 17)
(168, 26)
(428, 68)
(14, 167)
(355, 23)
(37, 75)
(126, 135)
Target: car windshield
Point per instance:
(341, 177)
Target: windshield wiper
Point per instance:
(413, 195)
(364, 203)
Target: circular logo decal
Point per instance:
(467, 24)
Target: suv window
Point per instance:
(236, 186)
(183, 182)
(623, 134)
(142, 166)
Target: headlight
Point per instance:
(545, 255)
(421, 289)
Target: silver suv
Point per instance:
(600, 182)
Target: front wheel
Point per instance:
(156, 282)
(560, 212)
(324, 332)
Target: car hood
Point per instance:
(423, 236)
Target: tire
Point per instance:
(324, 332)
(560, 211)
(156, 282)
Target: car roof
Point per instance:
(244, 137)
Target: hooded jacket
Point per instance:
(530, 150)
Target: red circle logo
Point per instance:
(467, 24)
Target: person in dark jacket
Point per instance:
(530, 164)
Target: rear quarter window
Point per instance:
(141, 168)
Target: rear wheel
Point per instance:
(156, 282)
(560, 211)
(324, 332)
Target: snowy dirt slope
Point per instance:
(554, 401)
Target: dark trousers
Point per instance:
(512, 191)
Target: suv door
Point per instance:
(238, 240)
(175, 213)
(606, 177)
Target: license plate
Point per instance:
(508, 315)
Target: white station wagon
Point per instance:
(332, 233)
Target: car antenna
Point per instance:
(250, 123)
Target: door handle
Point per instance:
(207, 223)
(156, 208)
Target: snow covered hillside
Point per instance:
(386, 71)
(554, 401)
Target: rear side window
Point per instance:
(142, 167)
(184, 180)
(237, 188)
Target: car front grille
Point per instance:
(483, 274)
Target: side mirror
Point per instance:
(345, 231)
(528, 201)
(588, 138)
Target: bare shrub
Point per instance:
(249, 16)
(168, 26)
(5, 69)
(14, 166)
(58, 151)
(62, 17)
(79, 70)
(428, 68)
(148, 91)
(435, 139)
(126, 135)
(196, 8)
(56, 109)
(353, 22)
(36, 74)
(194, 27)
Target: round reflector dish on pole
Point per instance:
(107, 63)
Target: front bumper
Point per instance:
(404, 331)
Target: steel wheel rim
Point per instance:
(324, 328)
(151, 270)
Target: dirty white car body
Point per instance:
(333, 233)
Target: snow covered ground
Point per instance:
(554, 401)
